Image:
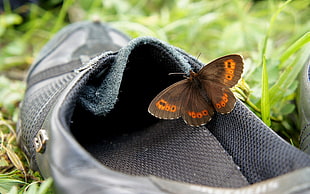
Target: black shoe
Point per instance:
(304, 107)
(84, 122)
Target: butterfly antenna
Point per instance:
(176, 73)
(184, 74)
(198, 56)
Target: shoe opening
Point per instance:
(130, 140)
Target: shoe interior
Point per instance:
(132, 141)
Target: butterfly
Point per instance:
(197, 97)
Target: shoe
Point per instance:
(84, 122)
(304, 107)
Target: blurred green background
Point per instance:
(272, 35)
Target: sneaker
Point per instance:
(84, 122)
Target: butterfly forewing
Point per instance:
(226, 70)
(167, 104)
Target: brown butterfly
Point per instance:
(196, 97)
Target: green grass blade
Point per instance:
(62, 15)
(39, 188)
(32, 188)
(287, 78)
(272, 21)
(292, 69)
(265, 101)
(45, 186)
(7, 181)
(298, 44)
(13, 190)
(265, 104)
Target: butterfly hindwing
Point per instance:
(226, 70)
(167, 104)
(195, 109)
(223, 100)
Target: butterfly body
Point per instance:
(197, 97)
(194, 81)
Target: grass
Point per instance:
(273, 36)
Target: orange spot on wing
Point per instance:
(229, 66)
(229, 77)
(164, 105)
(225, 98)
(161, 104)
(205, 112)
(223, 102)
(173, 108)
(230, 63)
(200, 114)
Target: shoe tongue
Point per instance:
(142, 63)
